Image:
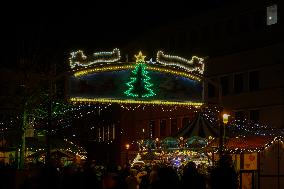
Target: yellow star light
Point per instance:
(140, 57)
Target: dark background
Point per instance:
(55, 29)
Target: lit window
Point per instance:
(271, 15)
(152, 129)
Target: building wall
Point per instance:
(134, 122)
(234, 39)
(268, 98)
(271, 167)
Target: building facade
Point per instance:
(242, 44)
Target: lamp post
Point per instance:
(127, 148)
(225, 119)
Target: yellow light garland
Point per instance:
(155, 68)
(150, 102)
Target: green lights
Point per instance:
(139, 85)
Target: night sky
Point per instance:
(52, 31)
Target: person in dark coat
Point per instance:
(191, 178)
(224, 174)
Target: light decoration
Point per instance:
(73, 149)
(195, 64)
(154, 67)
(106, 68)
(78, 112)
(139, 85)
(137, 160)
(151, 61)
(79, 100)
(79, 59)
(251, 150)
(153, 107)
(240, 127)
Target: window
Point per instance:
(152, 129)
(229, 27)
(271, 15)
(185, 122)
(259, 19)
(254, 81)
(239, 83)
(181, 40)
(240, 116)
(243, 23)
(211, 90)
(225, 85)
(205, 34)
(193, 38)
(163, 123)
(173, 126)
(171, 43)
(254, 115)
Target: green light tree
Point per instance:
(139, 84)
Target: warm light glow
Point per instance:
(118, 66)
(127, 146)
(140, 57)
(146, 102)
(225, 118)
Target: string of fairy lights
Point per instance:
(80, 100)
(140, 69)
(108, 61)
(195, 64)
(78, 58)
(68, 147)
(262, 148)
(78, 112)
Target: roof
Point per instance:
(201, 127)
(245, 144)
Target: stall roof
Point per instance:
(201, 127)
(242, 144)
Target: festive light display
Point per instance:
(128, 66)
(237, 150)
(78, 59)
(195, 64)
(139, 84)
(137, 160)
(71, 147)
(132, 107)
(79, 100)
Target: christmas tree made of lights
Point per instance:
(139, 84)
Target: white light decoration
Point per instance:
(78, 59)
(194, 65)
(151, 61)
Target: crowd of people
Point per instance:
(149, 176)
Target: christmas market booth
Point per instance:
(186, 145)
(62, 151)
(258, 159)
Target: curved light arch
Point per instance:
(128, 66)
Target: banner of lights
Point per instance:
(144, 83)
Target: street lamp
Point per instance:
(127, 148)
(225, 119)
